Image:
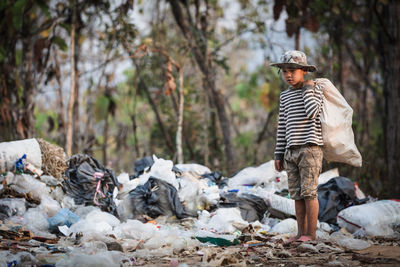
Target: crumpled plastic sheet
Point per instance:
(11, 207)
(102, 258)
(223, 220)
(25, 183)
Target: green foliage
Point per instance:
(101, 107)
(18, 57)
(60, 42)
(44, 7)
(18, 13)
(245, 139)
(41, 121)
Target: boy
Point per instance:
(299, 140)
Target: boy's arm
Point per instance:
(281, 133)
(312, 97)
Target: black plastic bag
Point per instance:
(156, 197)
(252, 208)
(90, 183)
(335, 195)
(141, 165)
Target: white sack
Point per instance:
(10, 152)
(376, 218)
(336, 121)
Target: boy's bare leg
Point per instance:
(300, 206)
(312, 208)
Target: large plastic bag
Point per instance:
(336, 121)
(335, 195)
(156, 197)
(162, 169)
(376, 219)
(252, 208)
(90, 183)
(264, 175)
(10, 152)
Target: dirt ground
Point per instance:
(269, 252)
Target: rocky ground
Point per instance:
(267, 251)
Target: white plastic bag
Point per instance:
(225, 220)
(193, 167)
(285, 227)
(161, 169)
(376, 218)
(264, 174)
(336, 120)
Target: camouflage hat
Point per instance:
(294, 59)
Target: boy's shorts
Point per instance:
(303, 165)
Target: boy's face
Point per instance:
(293, 77)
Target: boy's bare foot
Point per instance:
(304, 238)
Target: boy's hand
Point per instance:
(279, 165)
(309, 82)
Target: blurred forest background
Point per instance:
(189, 80)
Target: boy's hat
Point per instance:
(294, 59)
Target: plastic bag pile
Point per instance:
(162, 208)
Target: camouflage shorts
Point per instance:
(303, 165)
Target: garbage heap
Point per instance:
(75, 211)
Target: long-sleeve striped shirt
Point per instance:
(299, 118)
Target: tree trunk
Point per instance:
(297, 39)
(390, 49)
(184, 128)
(197, 39)
(76, 115)
(180, 119)
(170, 145)
(105, 135)
(206, 120)
(61, 112)
(73, 85)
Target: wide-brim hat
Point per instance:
(294, 59)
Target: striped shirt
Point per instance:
(299, 118)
